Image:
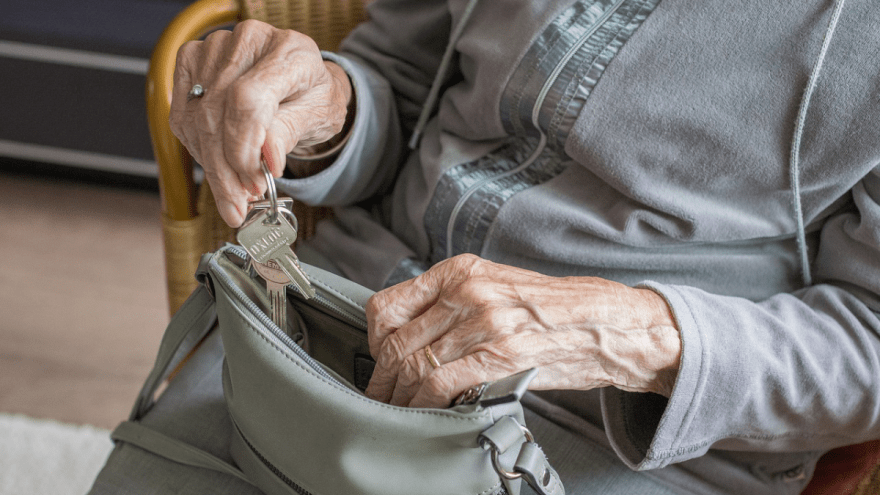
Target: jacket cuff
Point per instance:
(353, 173)
(645, 428)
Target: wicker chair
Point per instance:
(190, 222)
(192, 226)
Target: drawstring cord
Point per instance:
(794, 169)
(440, 75)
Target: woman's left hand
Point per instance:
(485, 321)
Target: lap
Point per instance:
(192, 409)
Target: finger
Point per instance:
(230, 194)
(180, 117)
(458, 342)
(410, 340)
(413, 371)
(306, 120)
(276, 163)
(394, 307)
(288, 64)
(283, 135)
(443, 385)
(384, 377)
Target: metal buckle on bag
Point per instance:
(496, 462)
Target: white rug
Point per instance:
(46, 457)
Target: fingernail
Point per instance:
(266, 151)
(231, 214)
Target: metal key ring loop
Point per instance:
(270, 191)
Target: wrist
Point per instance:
(640, 345)
(664, 340)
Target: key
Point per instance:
(265, 239)
(284, 204)
(276, 287)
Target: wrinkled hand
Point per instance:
(265, 88)
(485, 321)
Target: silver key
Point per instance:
(285, 204)
(276, 287)
(267, 239)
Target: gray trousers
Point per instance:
(192, 409)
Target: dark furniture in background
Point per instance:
(72, 78)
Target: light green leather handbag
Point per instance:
(302, 424)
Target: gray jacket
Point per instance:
(648, 142)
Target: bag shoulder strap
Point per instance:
(187, 328)
(171, 448)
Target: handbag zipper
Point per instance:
(273, 329)
(320, 299)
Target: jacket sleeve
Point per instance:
(795, 372)
(391, 60)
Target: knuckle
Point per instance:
(250, 27)
(392, 352)
(471, 290)
(244, 96)
(218, 36)
(375, 305)
(291, 38)
(410, 372)
(441, 383)
(187, 53)
(462, 264)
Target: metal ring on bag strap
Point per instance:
(496, 463)
(270, 191)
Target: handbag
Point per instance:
(302, 424)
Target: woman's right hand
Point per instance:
(265, 90)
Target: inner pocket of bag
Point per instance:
(336, 344)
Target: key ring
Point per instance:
(270, 191)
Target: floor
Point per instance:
(82, 297)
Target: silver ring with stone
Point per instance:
(197, 91)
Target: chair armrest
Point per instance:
(175, 167)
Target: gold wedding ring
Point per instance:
(431, 357)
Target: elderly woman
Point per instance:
(671, 208)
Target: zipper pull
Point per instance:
(501, 391)
(471, 395)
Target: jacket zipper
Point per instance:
(542, 143)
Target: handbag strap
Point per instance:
(187, 328)
(192, 322)
(173, 449)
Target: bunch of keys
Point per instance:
(267, 235)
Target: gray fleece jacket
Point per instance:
(647, 142)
